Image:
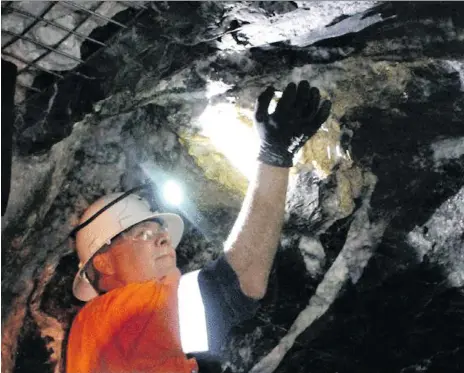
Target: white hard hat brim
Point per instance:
(84, 291)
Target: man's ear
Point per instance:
(103, 263)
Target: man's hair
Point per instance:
(92, 274)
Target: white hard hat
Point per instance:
(122, 215)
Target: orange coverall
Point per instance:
(133, 329)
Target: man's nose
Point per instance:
(162, 238)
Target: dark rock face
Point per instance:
(369, 276)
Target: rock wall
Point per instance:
(21, 16)
(370, 270)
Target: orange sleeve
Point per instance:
(134, 329)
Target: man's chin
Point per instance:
(173, 276)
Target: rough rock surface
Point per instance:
(18, 19)
(369, 276)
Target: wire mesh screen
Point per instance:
(45, 37)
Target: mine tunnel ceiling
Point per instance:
(371, 256)
(30, 29)
(52, 46)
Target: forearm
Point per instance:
(251, 247)
(252, 244)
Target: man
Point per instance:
(128, 261)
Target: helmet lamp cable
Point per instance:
(73, 233)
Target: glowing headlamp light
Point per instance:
(172, 193)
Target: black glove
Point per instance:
(296, 118)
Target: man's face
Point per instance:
(144, 253)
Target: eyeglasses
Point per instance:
(144, 231)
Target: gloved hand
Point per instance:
(296, 118)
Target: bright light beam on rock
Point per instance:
(230, 136)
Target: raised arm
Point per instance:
(252, 244)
